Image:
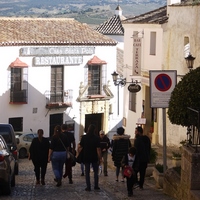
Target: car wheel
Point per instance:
(13, 180)
(22, 153)
(7, 187)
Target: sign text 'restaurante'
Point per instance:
(57, 60)
(37, 51)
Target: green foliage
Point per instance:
(185, 94)
(176, 154)
(153, 156)
(159, 167)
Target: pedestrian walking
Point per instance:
(130, 160)
(92, 156)
(142, 144)
(57, 153)
(72, 146)
(105, 145)
(121, 143)
(38, 153)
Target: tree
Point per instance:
(185, 94)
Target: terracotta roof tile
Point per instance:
(96, 60)
(112, 26)
(158, 16)
(18, 64)
(51, 31)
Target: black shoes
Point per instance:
(97, 188)
(70, 181)
(59, 183)
(87, 189)
(42, 182)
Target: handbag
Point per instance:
(79, 158)
(128, 171)
(67, 152)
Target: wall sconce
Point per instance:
(190, 61)
(120, 81)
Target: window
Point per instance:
(19, 85)
(94, 79)
(153, 43)
(186, 46)
(17, 123)
(132, 101)
(56, 94)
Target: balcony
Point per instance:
(59, 99)
(18, 97)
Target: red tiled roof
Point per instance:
(96, 60)
(18, 64)
(158, 16)
(50, 31)
(112, 26)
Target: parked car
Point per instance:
(6, 130)
(24, 142)
(7, 168)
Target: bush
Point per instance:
(159, 167)
(185, 94)
(153, 156)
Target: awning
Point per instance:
(96, 61)
(18, 64)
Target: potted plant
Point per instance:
(152, 162)
(158, 175)
(176, 159)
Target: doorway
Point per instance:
(55, 119)
(95, 119)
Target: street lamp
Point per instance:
(190, 61)
(120, 81)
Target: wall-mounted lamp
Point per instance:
(190, 61)
(120, 81)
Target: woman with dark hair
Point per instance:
(38, 153)
(121, 144)
(91, 156)
(57, 153)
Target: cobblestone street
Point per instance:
(109, 189)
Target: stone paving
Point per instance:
(109, 189)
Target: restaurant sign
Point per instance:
(70, 50)
(57, 60)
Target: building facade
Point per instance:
(56, 71)
(158, 40)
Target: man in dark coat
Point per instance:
(91, 156)
(142, 144)
(105, 145)
(38, 153)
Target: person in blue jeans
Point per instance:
(91, 156)
(57, 153)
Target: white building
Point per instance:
(158, 40)
(56, 71)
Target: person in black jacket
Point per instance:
(131, 160)
(105, 145)
(38, 153)
(121, 144)
(142, 144)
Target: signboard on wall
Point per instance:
(162, 83)
(137, 44)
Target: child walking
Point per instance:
(131, 160)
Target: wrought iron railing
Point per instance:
(58, 99)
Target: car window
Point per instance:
(2, 144)
(5, 132)
(28, 137)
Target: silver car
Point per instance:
(24, 142)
